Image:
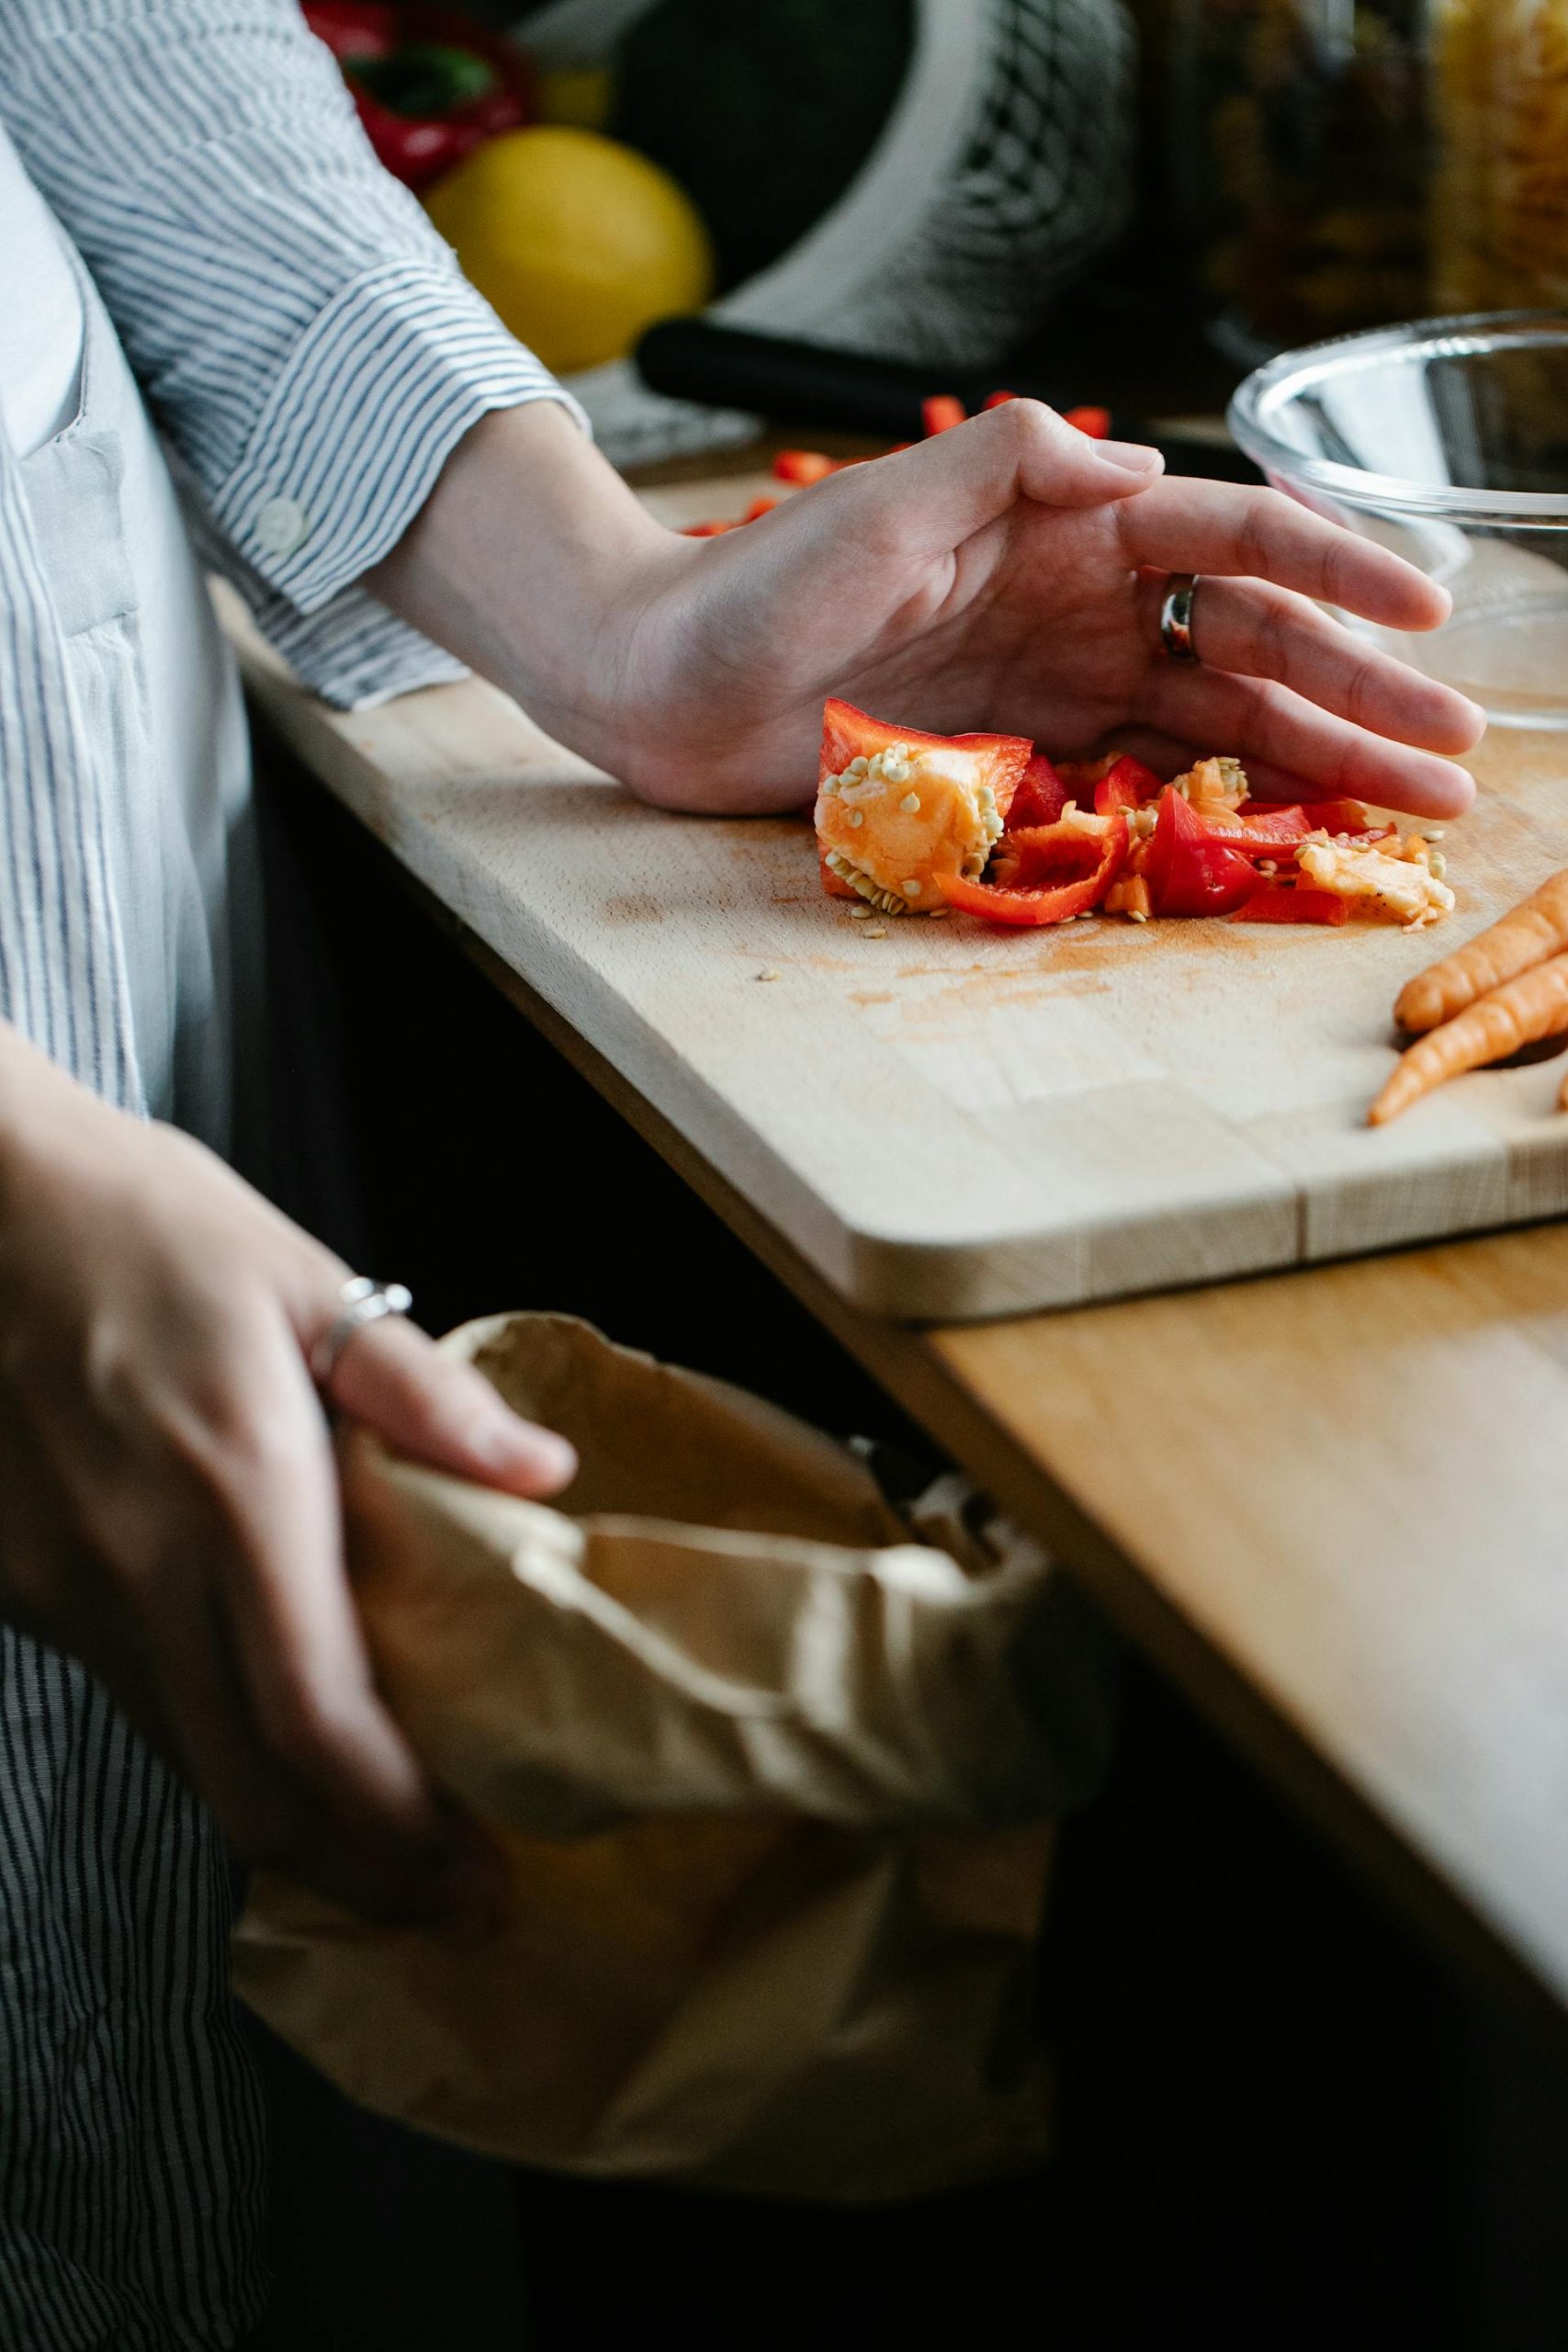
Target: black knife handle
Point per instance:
(810, 385)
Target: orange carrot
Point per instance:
(1533, 931)
(1532, 1006)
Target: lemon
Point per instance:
(578, 243)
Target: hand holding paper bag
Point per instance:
(776, 1819)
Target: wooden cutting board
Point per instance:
(950, 1121)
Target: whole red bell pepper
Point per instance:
(1045, 873)
(1189, 871)
(429, 84)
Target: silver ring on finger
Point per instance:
(1175, 617)
(361, 1300)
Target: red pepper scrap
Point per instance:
(940, 412)
(1095, 421)
(803, 466)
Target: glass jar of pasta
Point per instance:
(1500, 183)
(1302, 162)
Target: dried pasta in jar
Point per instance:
(1300, 152)
(1500, 195)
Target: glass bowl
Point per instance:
(1447, 441)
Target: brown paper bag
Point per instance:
(777, 1820)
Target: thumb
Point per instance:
(395, 1381)
(943, 490)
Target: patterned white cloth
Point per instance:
(308, 349)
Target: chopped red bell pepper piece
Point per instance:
(849, 733)
(1095, 421)
(998, 400)
(803, 466)
(940, 412)
(758, 508)
(1278, 904)
(1189, 871)
(1126, 784)
(1272, 834)
(1041, 796)
(1324, 815)
(1048, 873)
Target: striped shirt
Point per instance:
(312, 355)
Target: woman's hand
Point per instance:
(1008, 574)
(169, 1508)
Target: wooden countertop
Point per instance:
(1333, 1504)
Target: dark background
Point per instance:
(1282, 2123)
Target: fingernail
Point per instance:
(1133, 456)
(519, 1449)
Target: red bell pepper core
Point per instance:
(1052, 873)
(1280, 905)
(1188, 871)
(940, 413)
(1126, 784)
(1041, 796)
(429, 84)
(802, 466)
(1095, 421)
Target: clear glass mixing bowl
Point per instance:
(1448, 441)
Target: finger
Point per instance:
(324, 1787)
(1267, 724)
(396, 1382)
(938, 494)
(271, 1811)
(1259, 631)
(1224, 528)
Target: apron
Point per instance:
(131, 2149)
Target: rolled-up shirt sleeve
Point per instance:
(305, 340)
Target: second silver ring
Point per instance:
(361, 1300)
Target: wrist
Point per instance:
(535, 563)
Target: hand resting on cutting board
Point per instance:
(1007, 575)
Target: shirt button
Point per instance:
(282, 524)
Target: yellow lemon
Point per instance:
(578, 243)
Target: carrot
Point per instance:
(1534, 1004)
(1533, 931)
